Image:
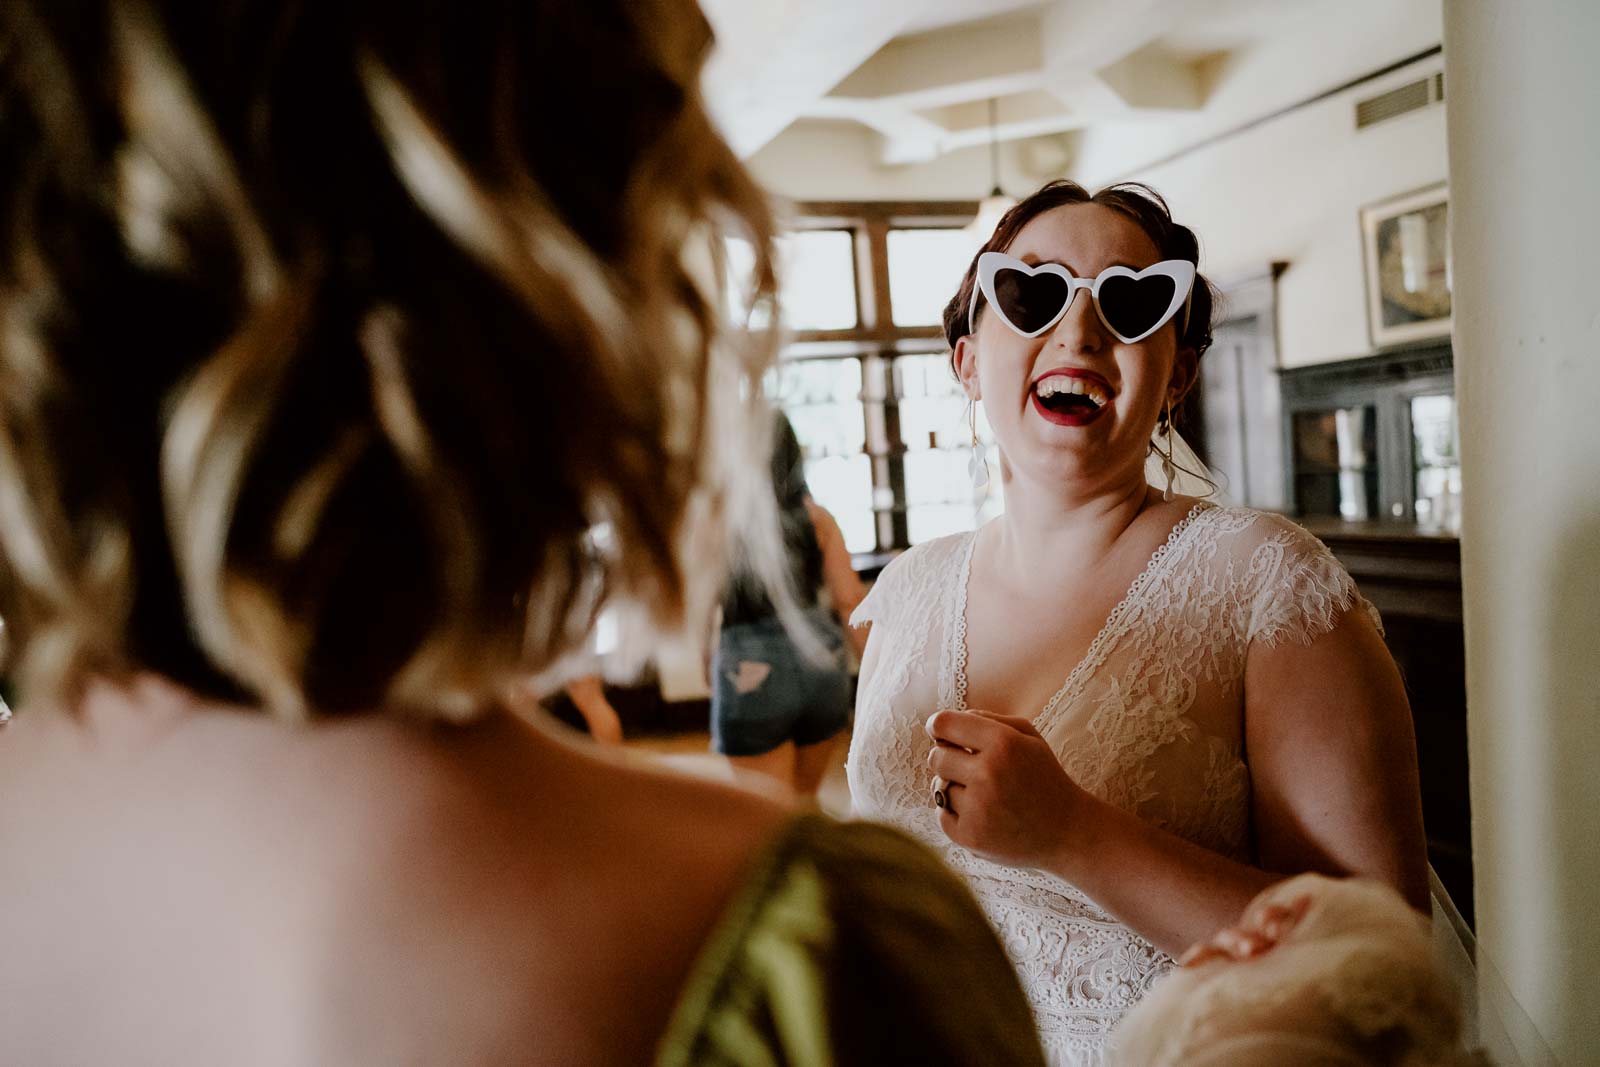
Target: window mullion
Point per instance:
(888, 461)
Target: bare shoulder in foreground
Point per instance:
(589, 886)
(361, 892)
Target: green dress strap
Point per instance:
(849, 943)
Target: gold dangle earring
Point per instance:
(1167, 467)
(977, 466)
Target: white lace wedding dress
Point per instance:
(1151, 720)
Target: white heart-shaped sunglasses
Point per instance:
(1133, 304)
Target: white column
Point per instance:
(1522, 85)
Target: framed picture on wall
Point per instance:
(1407, 244)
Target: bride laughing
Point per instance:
(1120, 712)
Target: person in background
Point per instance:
(1121, 711)
(588, 695)
(776, 710)
(329, 333)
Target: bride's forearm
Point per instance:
(1171, 891)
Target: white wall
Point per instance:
(1290, 190)
(1525, 95)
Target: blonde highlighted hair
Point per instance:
(331, 333)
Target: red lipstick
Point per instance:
(1078, 416)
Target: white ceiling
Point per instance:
(1126, 81)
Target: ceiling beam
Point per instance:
(774, 57)
(949, 66)
(1155, 79)
(1053, 69)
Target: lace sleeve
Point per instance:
(1297, 590)
(881, 600)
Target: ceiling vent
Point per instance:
(1413, 96)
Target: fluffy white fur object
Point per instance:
(1354, 981)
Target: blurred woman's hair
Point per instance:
(1138, 202)
(789, 484)
(332, 333)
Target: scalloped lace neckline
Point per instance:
(1096, 650)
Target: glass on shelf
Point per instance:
(819, 381)
(926, 375)
(936, 429)
(933, 407)
(925, 269)
(823, 401)
(935, 422)
(1436, 461)
(1335, 463)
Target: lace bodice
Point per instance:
(1151, 720)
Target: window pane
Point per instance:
(935, 426)
(817, 278)
(925, 268)
(843, 485)
(823, 401)
(1336, 464)
(933, 407)
(1436, 460)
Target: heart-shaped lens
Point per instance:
(1133, 306)
(1029, 301)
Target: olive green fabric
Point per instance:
(850, 944)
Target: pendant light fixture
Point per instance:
(997, 203)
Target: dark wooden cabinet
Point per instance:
(1373, 439)
(1371, 468)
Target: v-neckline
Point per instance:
(1093, 653)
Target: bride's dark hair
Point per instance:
(331, 333)
(1138, 202)
(1149, 210)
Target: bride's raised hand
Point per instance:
(1007, 796)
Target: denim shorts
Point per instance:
(765, 692)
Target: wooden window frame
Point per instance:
(876, 340)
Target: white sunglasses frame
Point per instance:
(1181, 271)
